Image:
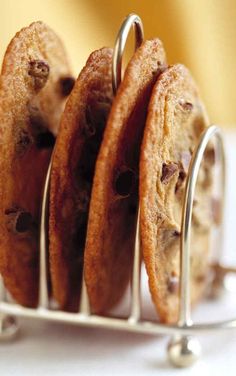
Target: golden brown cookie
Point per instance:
(113, 208)
(34, 83)
(74, 157)
(176, 118)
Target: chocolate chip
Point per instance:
(168, 170)
(181, 179)
(66, 85)
(169, 238)
(39, 70)
(185, 158)
(124, 182)
(173, 284)
(186, 106)
(169, 234)
(198, 126)
(45, 140)
(209, 156)
(160, 69)
(23, 140)
(176, 233)
(18, 220)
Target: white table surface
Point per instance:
(45, 348)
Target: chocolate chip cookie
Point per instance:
(114, 201)
(175, 121)
(34, 83)
(74, 157)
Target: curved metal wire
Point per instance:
(184, 350)
(130, 20)
(208, 134)
(43, 243)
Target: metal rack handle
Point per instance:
(130, 21)
(184, 350)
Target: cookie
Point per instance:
(175, 121)
(34, 84)
(74, 157)
(114, 201)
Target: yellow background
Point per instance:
(198, 33)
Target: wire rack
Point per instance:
(184, 348)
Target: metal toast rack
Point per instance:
(184, 348)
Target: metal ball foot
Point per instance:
(183, 351)
(8, 327)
